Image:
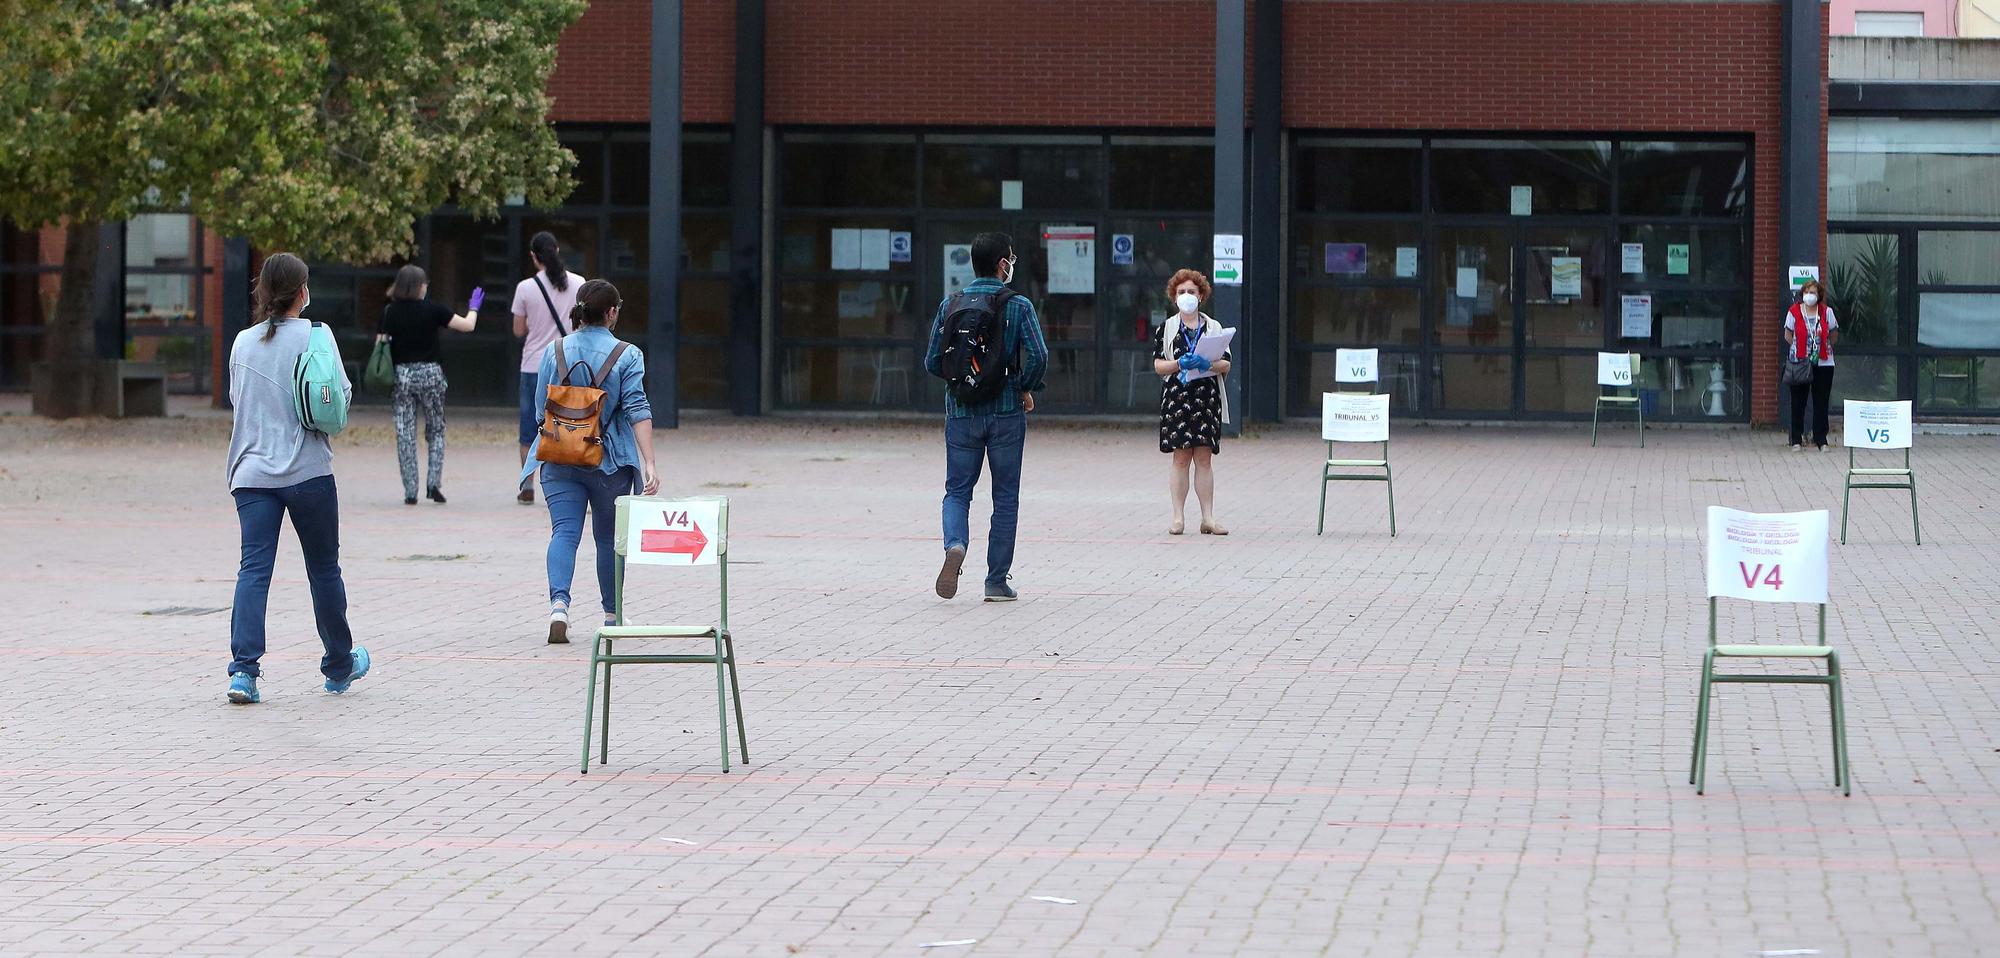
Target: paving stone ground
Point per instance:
(1471, 739)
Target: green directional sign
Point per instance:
(1228, 272)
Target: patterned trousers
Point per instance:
(419, 384)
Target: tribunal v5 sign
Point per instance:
(1770, 557)
(1875, 425)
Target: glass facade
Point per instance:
(868, 241)
(602, 229)
(29, 271)
(1489, 272)
(1913, 260)
(165, 291)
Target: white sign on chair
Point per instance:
(674, 531)
(1614, 369)
(1355, 365)
(1875, 425)
(1768, 557)
(1354, 417)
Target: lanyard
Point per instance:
(1192, 337)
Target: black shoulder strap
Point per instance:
(551, 305)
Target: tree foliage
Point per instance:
(326, 127)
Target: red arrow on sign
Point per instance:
(674, 541)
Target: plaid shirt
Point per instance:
(1023, 339)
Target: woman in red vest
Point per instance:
(1810, 331)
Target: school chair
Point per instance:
(1698, 767)
(1617, 397)
(690, 545)
(1386, 476)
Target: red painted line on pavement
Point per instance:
(1371, 857)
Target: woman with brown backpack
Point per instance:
(593, 443)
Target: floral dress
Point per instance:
(1190, 413)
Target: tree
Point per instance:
(324, 127)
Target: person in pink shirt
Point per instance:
(541, 304)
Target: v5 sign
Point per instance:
(1875, 425)
(1775, 557)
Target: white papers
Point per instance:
(957, 267)
(846, 249)
(1614, 369)
(1354, 417)
(1875, 425)
(874, 249)
(1521, 201)
(1355, 365)
(1635, 315)
(1210, 347)
(1072, 259)
(1632, 258)
(1468, 282)
(1566, 276)
(1406, 262)
(1010, 194)
(1774, 557)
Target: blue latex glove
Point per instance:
(1188, 360)
(1201, 363)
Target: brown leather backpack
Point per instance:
(572, 425)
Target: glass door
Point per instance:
(1563, 303)
(1518, 315)
(1059, 274)
(1473, 322)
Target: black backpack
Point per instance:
(973, 353)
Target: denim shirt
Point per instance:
(625, 402)
(1023, 339)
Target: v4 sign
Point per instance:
(1777, 557)
(671, 531)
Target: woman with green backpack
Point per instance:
(290, 394)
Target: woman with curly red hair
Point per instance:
(1192, 407)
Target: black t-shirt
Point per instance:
(412, 325)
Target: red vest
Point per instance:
(1800, 335)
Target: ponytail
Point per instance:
(594, 303)
(277, 290)
(543, 245)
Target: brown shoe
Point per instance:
(947, 580)
(527, 496)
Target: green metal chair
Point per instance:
(1698, 767)
(1616, 398)
(1885, 478)
(1386, 476)
(673, 532)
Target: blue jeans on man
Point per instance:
(569, 490)
(315, 509)
(998, 440)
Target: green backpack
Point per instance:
(318, 386)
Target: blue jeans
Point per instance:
(998, 439)
(569, 491)
(531, 408)
(315, 508)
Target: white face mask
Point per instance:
(1188, 302)
(306, 300)
(1812, 299)
(1012, 268)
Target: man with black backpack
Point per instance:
(986, 344)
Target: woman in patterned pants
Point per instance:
(410, 323)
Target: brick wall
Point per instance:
(604, 70)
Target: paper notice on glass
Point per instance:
(1072, 259)
(1210, 347)
(899, 247)
(1406, 262)
(874, 249)
(1635, 316)
(1521, 201)
(1677, 259)
(1566, 276)
(1772, 557)
(1468, 282)
(1633, 258)
(1010, 194)
(846, 249)
(957, 267)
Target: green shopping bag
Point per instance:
(381, 371)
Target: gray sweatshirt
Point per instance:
(268, 448)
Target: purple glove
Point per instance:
(478, 297)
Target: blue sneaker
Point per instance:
(243, 689)
(360, 669)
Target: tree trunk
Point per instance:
(69, 370)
